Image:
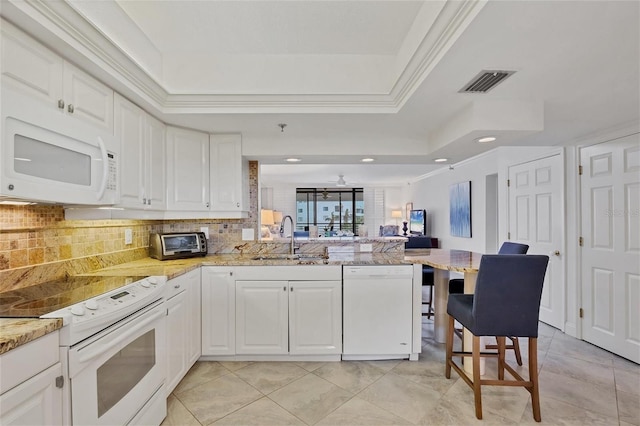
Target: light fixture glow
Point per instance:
(368, 160)
(16, 203)
(441, 160)
(486, 139)
(293, 160)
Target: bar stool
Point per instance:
(456, 286)
(506, 303)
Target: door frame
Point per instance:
(563, 223)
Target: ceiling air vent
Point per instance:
(485, 81)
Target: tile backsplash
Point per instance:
(36, 242)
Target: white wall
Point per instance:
(432, 194)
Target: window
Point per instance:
(330, 209)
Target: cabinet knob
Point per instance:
(284, 288)
(149, 201)
(291, 289)
(176, 286)
(207, 204)
(70, 108)
(60, 104)
(237, 204)
(144, 201)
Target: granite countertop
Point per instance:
(18, 331)
(452, 260)
(174, 268)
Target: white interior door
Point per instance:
(536, 219)
(610, 197)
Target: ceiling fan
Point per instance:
(340, 182)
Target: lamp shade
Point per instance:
(277, 217)
(266, 217)
(396, 214)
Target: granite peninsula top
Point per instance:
(18, 331)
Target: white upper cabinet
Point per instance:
(187, 170)
(30, 67)
(206, 173)
(229, 174)
(86, 98)
(42, 76)
(142, 165)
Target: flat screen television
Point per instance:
(418, 222)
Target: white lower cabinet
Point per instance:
(288, 317)
(35, 402)
(32, 384)
(218, 311)
(183, 326)
(176, 340)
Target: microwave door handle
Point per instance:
(105, 168)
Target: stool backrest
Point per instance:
(513, 248)
(507, 295)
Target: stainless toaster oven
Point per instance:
(177, 245)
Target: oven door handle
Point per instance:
(100, 349)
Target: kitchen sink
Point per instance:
(278, 256)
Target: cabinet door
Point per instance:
(176, 340)
(29, 67)
(218, 311)
(226, 173)
(36, 401)
(156, 178)
(261, 317)
(87, 99)
(315, 317)
(188, 170)
(191, 282)
(130, 128)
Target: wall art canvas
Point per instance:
(460, 209)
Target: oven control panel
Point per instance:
(93, 314)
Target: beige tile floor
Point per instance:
(580, 384)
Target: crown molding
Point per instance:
(103, 57)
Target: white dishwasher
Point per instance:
(377, 311)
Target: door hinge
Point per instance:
(508, 182)
(59, 382)
(580, 241)
(580, 170)
(581, 313)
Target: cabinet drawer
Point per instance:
(24, 362)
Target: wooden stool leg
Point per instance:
(516, 349)
(477, 393)
(533, 377)
(449, 346)
(501, 350)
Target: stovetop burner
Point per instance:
(37, 300)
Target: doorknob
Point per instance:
(556, 253)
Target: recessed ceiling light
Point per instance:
(441, 160)
(368, 160)
(486, 139)
(293, 160)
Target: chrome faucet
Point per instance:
(292, 249)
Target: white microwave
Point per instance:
(48, 157)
